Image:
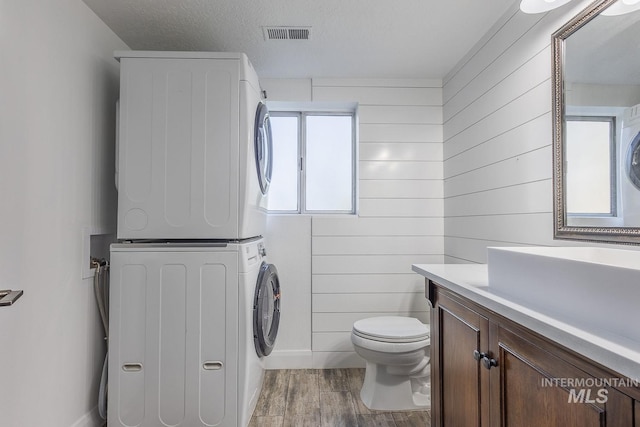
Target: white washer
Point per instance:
(630, 166)
(181, 343)
(194, 147)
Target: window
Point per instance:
(313, 162)
(590, 166)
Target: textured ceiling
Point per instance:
(350, 38)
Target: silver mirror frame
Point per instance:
(619, 235)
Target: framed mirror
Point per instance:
(596, 124)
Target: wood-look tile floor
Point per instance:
(323, 398)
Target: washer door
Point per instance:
(266, 309)
(263, 147)
(633, 161)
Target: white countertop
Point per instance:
(470, 281)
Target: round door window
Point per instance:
(266, 309)
(263, 147)
(633, 161)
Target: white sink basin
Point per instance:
(595, 289)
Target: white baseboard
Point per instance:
(337, 359)
(90, 419)
(289, 359)
(307, 359)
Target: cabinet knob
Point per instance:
(478, 355)
(489, 363)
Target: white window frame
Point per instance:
(302, 114)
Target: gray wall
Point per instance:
(59, 83)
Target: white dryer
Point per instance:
(630, 167)
(185, 323)
(194, 147)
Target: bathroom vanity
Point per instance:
(497, 362)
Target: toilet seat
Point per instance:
(391, 329)
(388, 347)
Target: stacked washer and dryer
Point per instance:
(194, 304)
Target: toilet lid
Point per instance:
(392, 329)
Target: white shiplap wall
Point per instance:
(497, 138)
(361, 265)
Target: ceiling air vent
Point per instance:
(287, 33)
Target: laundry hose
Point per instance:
(101, 291)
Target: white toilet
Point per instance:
(396, 350)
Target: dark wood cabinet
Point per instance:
(528, 393)
(490, 371)
(460, 380)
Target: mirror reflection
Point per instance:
(601, 120)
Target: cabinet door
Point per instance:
(540, 388)
(460, 384)
(620, 409)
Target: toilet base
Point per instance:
(385, 391)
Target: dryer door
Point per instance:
(263, 147)
(633, 161)
(266, 309)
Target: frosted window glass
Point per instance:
(588, 176)
(283, 191)
(329, 163)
